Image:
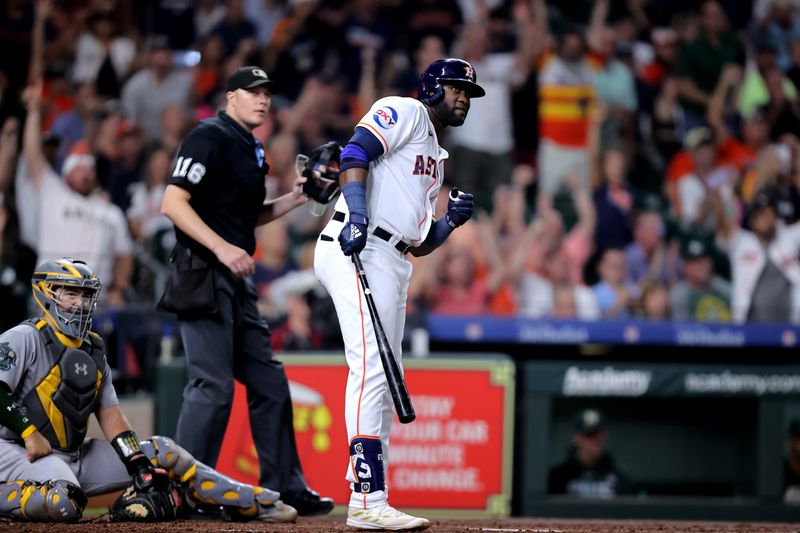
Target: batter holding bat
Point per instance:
(391, 173)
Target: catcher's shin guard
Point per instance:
(203, 486)
(51, 501)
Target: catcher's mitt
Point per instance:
(148, 506)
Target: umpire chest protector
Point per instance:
(61, 403)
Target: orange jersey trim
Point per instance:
(377, 134)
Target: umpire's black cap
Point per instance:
(249, 77)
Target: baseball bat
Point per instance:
(400, 396)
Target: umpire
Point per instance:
(215, 198)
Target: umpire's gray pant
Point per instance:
(235, 344)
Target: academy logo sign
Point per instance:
(607, 381)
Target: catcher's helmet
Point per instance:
(321, 169)
(450, 71)
(51, 275)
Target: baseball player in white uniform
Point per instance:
(391, 173)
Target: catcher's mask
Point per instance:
(321, 170)
(66, 290)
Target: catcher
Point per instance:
(53, 375)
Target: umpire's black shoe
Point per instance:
(308, 502)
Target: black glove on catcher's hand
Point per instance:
(148, 506)
(148, 478)
(152, 497)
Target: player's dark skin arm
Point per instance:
(358, 175)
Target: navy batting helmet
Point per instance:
(449, 71)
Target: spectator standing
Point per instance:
(615, 88)
(667, 120)
(764, 264)
(701, 61)
(17, 260)
(613, 202)
(208, 14)
(700, 296)
(301, 45)
(151, 90)
(62, 217)
(102, 55)
(692, 206)
(665, 48)
(235, 27)
(482, 157)
(428, 49)
(566, 101)
(753, 91)
(783, 111)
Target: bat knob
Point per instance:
(454, 193)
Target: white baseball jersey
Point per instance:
(401, 191)
(58, 222)
(404, 182)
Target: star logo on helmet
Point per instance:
(470, 72)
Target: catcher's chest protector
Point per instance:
(61, 403)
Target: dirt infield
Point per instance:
(336, 524)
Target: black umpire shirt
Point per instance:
(222, 165)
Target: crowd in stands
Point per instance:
(634, 158)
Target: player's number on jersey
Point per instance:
(193, 173)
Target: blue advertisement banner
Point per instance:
(631, 332)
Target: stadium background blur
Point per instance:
(619, 147)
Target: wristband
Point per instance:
(358, 219)
(355, 194)
(126, 444)
(11, 415)
(439, 232)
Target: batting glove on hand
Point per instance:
(353, 236)
(459, 210)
